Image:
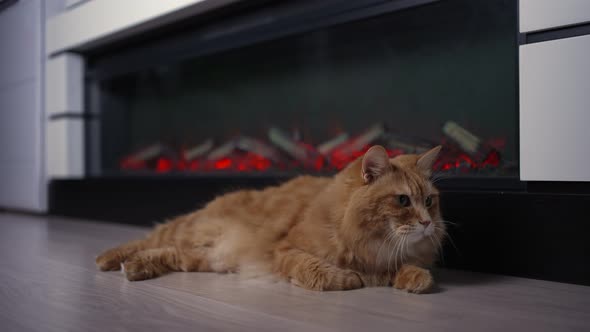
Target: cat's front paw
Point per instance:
(349, 280)
(137, 269)
(413, 279)
(331, 281)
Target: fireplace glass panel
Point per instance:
(311, 102)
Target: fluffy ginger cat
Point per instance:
(376, 223)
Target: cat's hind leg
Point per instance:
(311, 272)
(151, 263)
(111, 259)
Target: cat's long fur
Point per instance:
(320, 233)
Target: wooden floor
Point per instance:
(48, 282)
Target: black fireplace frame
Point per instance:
(238, 25)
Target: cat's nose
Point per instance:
(425, 223)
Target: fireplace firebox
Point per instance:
(312, 94)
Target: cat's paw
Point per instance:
(137, 269)
(109, 260)
(331, 281)
(413, 279)
(351, 280)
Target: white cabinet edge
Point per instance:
(101, 21)
(538, 15)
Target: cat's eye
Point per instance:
(428, 201)
(403, 200)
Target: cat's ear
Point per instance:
(427, 159)
(375, 163)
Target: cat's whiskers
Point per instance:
(400, 248)
(406, 249)
(392, 252)
(431, 238)
(449, 222)
(439, 176)
(453, 243)
(438, 246)
(401, 252)
(391, 247)
(386, 243)
(446, 235)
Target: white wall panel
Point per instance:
(555, 110)
(22, 183)
(19, 119)
(20, 186)
(19, 36)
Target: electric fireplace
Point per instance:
(309, 89)
(256, 92)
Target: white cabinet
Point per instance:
(538, 15)
(20, 42)
(22, 181)
(555, 110)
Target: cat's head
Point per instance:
(393, 214)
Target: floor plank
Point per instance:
(48, 282)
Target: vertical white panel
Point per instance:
(65, 148)
(18, 116)
(64, 94)
(64, 84)
(22, 183)
(555, 110)
(19, 43)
